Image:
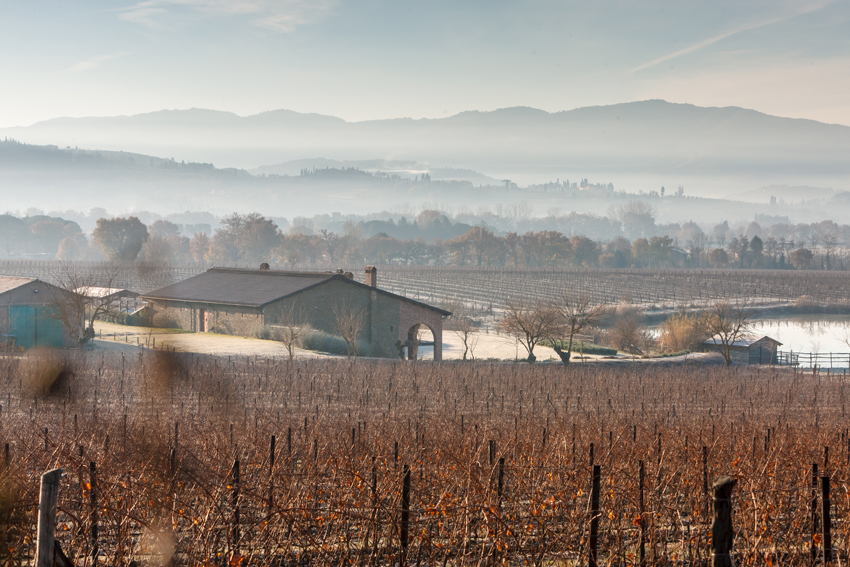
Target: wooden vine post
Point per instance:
(47, 502)
(827, 522)
(722, 532)
(594, 517)
(641, 514)
(405, 515)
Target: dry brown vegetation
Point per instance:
(150, 445)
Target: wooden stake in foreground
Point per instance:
(721, 528)
(47, 518)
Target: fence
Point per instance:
(820, 360)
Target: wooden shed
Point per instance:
(36, 314)
(751, 350)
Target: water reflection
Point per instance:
(825, 333)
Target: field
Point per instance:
(187, 459)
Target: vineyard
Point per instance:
(493, 287)
(484, 288)
(181, 459)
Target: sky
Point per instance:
(373, 59)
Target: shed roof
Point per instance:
(254, 288)
(748, 342)
(94, 291)
(8, 283)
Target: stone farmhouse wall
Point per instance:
(386, 320)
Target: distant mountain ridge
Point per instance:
(645, 136)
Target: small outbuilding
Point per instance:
(35, 314)
(118, 299)
(751, 350)
(242, 302)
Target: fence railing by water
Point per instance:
(823, 360)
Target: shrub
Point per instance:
(682, 332)
(628, 329)
(321, 341)
(262, 332)
(672, 354)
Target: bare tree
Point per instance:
(726, 323)
(350, 320)
(466, 328)
(628, 329)
(292, 326)
(83, 294)
(530, 323)
(576, 313)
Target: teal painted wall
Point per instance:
(35, 326)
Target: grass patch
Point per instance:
(582, 347)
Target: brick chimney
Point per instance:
(371, 276)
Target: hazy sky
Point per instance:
(363, 59)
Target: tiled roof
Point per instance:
(255, 288)
(234, 286)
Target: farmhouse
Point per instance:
(242, 302)
(751, 351)
(32, 314)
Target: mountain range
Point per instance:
(651, 136)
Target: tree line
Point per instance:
(253, 239)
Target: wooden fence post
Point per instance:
(93, 509)
(594, 516)
(501, 480)
(813, 505)
(376, 535)
(235, 501)
(270, 502)
(47, 518)
(405, 515)
(705, 479)
(721, 528)
(641, 477)
(827, 523)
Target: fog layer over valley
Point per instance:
(637, 146)
(807, 186)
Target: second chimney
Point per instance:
(371, 276)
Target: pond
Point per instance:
(807, 333)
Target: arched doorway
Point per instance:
(420, 342)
